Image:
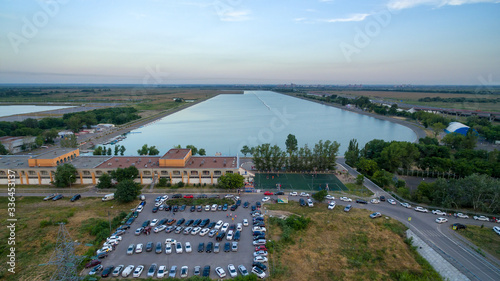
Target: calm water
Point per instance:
(7, 110)
(227, 122)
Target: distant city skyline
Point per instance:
(418, 42)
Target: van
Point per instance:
(108, 197)
(142, 197)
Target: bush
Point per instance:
(180, 184)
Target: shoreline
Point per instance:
(418, 130)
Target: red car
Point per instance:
(188, 196)
(268, 193)
(261, 248)
(92, 263)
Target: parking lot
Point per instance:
(244, 255)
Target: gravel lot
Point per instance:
(243, 256)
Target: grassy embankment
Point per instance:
(37, 228)
(484, 238)
(344, 246)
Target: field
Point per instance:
(36, 231)
(345, 246)
(485, 238)
(291, 181)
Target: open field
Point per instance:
(345, 246)
(291, 181)
(485, 238)
(36, 230)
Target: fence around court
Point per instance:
(298, 181)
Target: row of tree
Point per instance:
(101, 150)
(113, 115)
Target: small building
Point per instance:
(16, 144)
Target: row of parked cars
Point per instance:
(56, 196)
(259, 242)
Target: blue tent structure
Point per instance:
(457, 127)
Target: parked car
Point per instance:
(197, 270)
(173, 271)
(421, 209)
(310, 203)
(96, 269)
(329, 197)
(117, 270)
(268, 193)
(391, 201)
(126, 272)
(138, 271)
(161, 271)
(178, 248)
(242, 269)
(293, 193)
(50, 196)
(302, 202)
(375, 215)
(259, 272)
(227, 247)
(382, 198)
(303, 194)
(138, 248)
(374, 201)
(496, 229)
(441, 220)
(331, 206)
(360, 201)
(457, 226)
(184, 271)
(260, 259)
(481, 218)
(406, 205)
(260, 265)
(206, 271)
(149, 247)
(461, 215)
(439, 212)
(159, 228)
(232, 270)
(92, 263)
(209, 248)
(57, 197)
(159, 248)
(220, 271)
(152, 270)
(346, 199)
(131, 249)
(188, 247)
(75, 197)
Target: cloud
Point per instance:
(406, 4)
(235, 16)
(355, 17)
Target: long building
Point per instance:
(177, 165)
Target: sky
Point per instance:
(149, 42)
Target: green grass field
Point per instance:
(292, 181)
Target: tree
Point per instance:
(163, 182)
(202, 152)
(145, 150)
(117, 149)
(367, 166)
(438, 128)
(122, 150)
(398, 155)
(320, 195)
(39, 141)
(152, 150)
(231, 181)
(69, 141)
(129, 173)
(246, 150)
(74, 123)
(3, 150)
(352, 153)
(193, 148)
(109, 151)
(360, 179)
(50, 135)
(127, 191)
(104, 181)
(65, 175)
(291, 144)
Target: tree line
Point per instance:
(459, 100)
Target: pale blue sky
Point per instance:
(250, 41)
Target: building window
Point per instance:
(194, 173)
(176, 173)
(206, 173)
(44, 173)
(229, 172)
(32, 173)
(2, 173)
(98, 173)
(164, 173)
(217, 173)
(185, 173)
(86, 173)
(146, 173)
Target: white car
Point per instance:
(170, 240)
(329, 197)
(196, 230)
(303, 194)
(496, 229)
(204, 231)
(346, 199)
(126, 272)
(153, 222)
(239, 226)
(159, 228)
(310, 203)
(220, 271)
(331, 206)
(138, 248)
(117, 270)
(188, 230)
(265, 199)
(189, 249)
(243, 270)
(157, 204)
(219, 224)
(225, 227)
(140, 208)
(406, 205)
(259, 259)
(374, 201)
(260, 253)
(138, 271)
(214, 207)
(229, 196)
(114, 237)
(207, 208)
(293, 193)
(230, 235)
(178, 247)
(162, 270)
(391, 201)
(232, 270)
(168, 248)
(421, 209)
(259, 228)
(441, 220)
(481, 218)
(259, 272)
(212, 233)
(184, 271)
(245, 222)
(439, 212)
(462, 216)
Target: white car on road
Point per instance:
(481, 218)
(346, 199)
(462, 216)
(303, 194)
(391, 201)
(441, 220)
(421, 209)
(138, 248)
(329, 197)
(496, 229)
(331, 206)
(374, 201)
(406, 205)
(293, 193)
(439, 213)
(265, 199)
(245, 222)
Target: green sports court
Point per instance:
(298, 181)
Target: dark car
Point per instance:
(118, 232)
(254, 208)
(347, 208)
(220, 236)
(224, 208)
(210, 247)
(182, 208)
(162, 221)
(196, 222)
(135, 214)
(193, 208)
(75, 197)
(168, 208)
(360, 201)
(206, 271)
(237, 235)
(204, 222)
(257, 233)
(260, 265)
(246, 204)
(201, 247)
(258, 219)
(259, 223)
(181, 221)
(238, 203)
(234, 207)
(199, 208)
(205, 196)
(155, 209)
(102, 255)
(158, 248)
(259, 237)
(57, 197)
(130, 221)
(258, 204)
(92, 263)
(177, 195)
(382, 198)
(227, 247)
(149, 247)
(188, 223)
(175, 208)
(105, 273)
(146, 223)
(211, 225)
(279, 193)
(457, 226)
